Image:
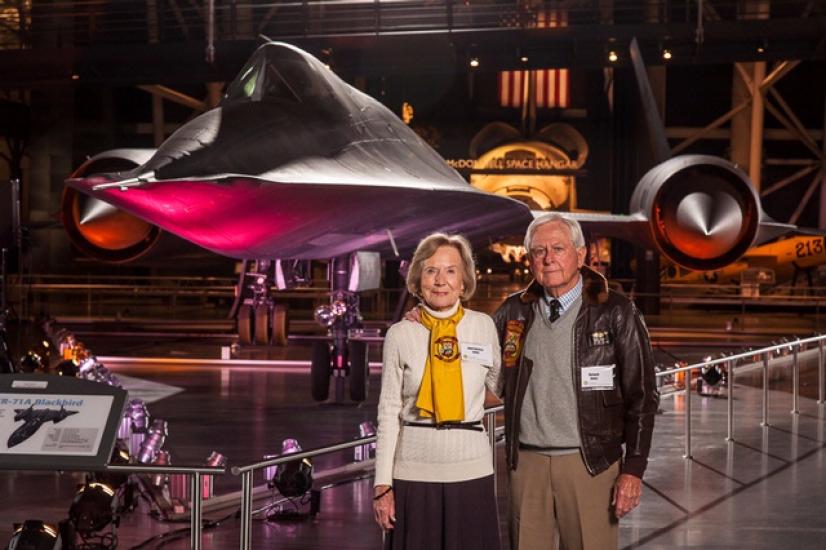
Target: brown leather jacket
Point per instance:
(608, 331)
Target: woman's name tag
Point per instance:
(480, 353)
(599, 377)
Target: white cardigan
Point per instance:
(426, 454)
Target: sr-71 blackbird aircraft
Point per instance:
(295, 164)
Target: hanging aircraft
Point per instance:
(295, 164)
(791, 260)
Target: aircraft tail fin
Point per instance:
(654, 124)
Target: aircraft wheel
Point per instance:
(320, 371)
(262, 329)
(358, 371)
(280, 325)
(244, 325)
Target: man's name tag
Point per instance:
(600, 377)
(480, 353)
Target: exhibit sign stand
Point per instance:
(57, 423)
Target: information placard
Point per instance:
(55, 422)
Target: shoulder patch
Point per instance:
(512, 344)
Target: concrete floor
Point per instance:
(763, 490)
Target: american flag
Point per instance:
(551, 86)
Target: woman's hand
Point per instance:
(384, 507)
(413, 316)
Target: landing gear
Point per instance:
(320, 371)
(262, 324)
(280, 325)
(244, 324)
(260, 320)
(359, 372)
(347, 358)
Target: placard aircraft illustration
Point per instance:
(295, 165)
(32, 420)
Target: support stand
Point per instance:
(6, 363)
(343, 357)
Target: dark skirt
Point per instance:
(444, 516)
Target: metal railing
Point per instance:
(165, 297)
(181, 297)
(195, 487)
(729, 362)
(28, 24)
(246, 472)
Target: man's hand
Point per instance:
(413, 315)
(627, 491)
(384, 509)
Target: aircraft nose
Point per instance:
(708, 223)
(106, 226)
(94, 209)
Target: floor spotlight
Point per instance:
(666, 54)
(367, 451)
(94, 508)
(214, 460)
(712, 375)
(153, 442)
(474, 62)
(293, 479)
(137, 417)
(67, 367)
(33, 534)
(613, 57)
(712, 380)
(31, 362)
(114, 480)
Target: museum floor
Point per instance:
(762, 490)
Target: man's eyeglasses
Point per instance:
(540, 252)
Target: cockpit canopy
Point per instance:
(280, 73)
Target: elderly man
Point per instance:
(579, 384)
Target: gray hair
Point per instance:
(577, 238)
(427, 248)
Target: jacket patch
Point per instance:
(600, 338)
(512, 345)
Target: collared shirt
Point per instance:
(565, 301)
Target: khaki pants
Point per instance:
(551, 495)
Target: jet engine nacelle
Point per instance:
(98, 229)
(703, 212)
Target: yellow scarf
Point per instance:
(440, 394)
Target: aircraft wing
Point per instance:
(243, 217)
(630, 227)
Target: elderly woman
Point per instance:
(434, 485)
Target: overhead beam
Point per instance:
(175, 96)
(805, 200)
(795, 121)
(781, 70)
(789, 180)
